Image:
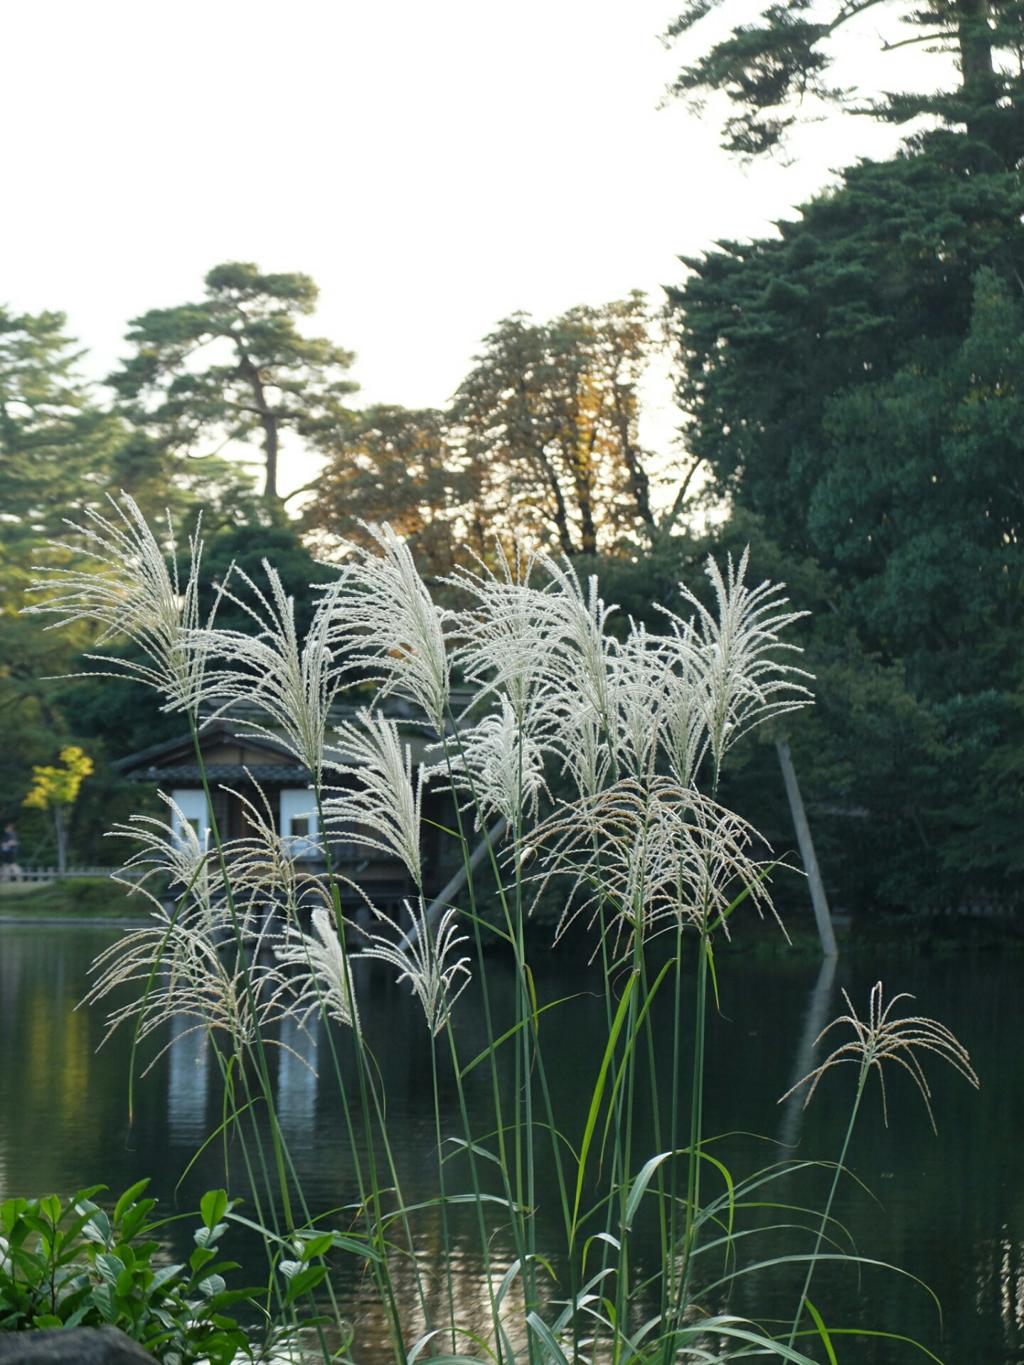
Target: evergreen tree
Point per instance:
(854, 387)
(234, 368)
(873, 277)
(56, 443)
(780, 68)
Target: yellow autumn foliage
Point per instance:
(53, 786)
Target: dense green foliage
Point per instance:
(782, 67)
(70, 1263)
(853, 386)
(62, 448)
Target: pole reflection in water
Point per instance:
(953, 1204)
(816, 1017)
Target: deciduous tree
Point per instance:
(399, 465)
(55, 789)
(548, 417)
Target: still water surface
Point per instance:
(949, 1209)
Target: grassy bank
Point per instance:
(78, 897)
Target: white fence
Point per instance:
(31, 872)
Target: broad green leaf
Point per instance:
(213, 1206)
(304, 1282)
(128, 1198)
(316, 1246)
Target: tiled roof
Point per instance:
(293, 773)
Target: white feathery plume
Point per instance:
(380, 608)
(498, 766)
(651, 856)
(715, 864)
(131, 592)
(175, 851)
(581, 647)
(507, 635)
(884, 1038)
(423, 958)
(584, 754)
(324, 980)
(743, 682)
(383, 811)
(265, 881)
(181, 975)
(292, 681)
(682, 732)
(639, 675)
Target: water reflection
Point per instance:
(298, 1055)
(817, 1015)
(188, 1080)
(953, 1206)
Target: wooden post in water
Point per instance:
(803, 837)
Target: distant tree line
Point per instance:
(542, 439)
(851, 397)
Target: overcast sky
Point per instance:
(434, 167)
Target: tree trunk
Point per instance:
(270, 453)
(561, 513)
(583, 486)
(268, 421)
(60, 827)
(977, 68)
(639, 483)
(535, 450)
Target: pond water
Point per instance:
(947, 1208)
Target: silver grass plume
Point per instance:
(651, 856)
(883, 1038)
(580, 646)
(508, 633)
(265, 881)
(179, 973)
(585, 756)
(742, 681)
(639, 678)
(173, 851)
(383, 811)
(682, 731)
(424, 959)
(129, 590)
(324, 979)
(381, 611)
(498, 766)
(292, 681)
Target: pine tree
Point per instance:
(235, 369)
(780, 68)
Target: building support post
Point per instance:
(803, 837)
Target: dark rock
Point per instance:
(80, 1346)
